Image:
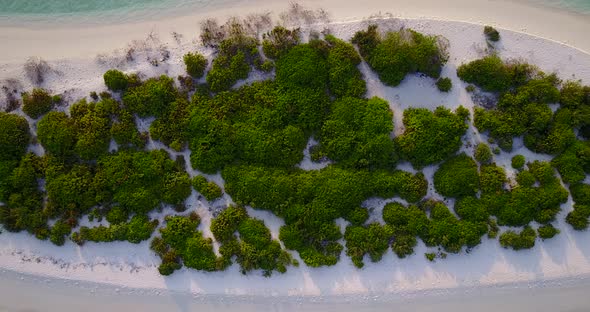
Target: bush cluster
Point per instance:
(457, 177)
(138, 229)
(523, 240)
(37, 103)
(397, 54)
(210, 190)
(116, 80)
(195, 64)
(444, 84)
(491, 33)
(578, 218)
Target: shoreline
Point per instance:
(488, 264)
(68, 40)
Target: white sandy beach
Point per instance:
(81, 56)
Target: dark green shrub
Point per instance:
(491, 33)
(518, 162)
(358, 216)
(492, 74)
(116, 80)
(304, 67)
(58, 234)
(345, 79)
(58, 134)
(195, 64)
(397, 54)
(210, 190)
(151, 98)
(372, 239)
(117, 215)
(578, 218)
(457, 177)
(523, 240)
(14, 137)
(492, 179)
(431, 137)
(444, 84)
(482, 153)
(227, 223)
(279, 41)
(547, 231)
(36, 103)
(430, 256)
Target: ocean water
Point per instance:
(108, 11)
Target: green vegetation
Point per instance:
(396, 54)
(518, 162)
(255, 135)
(523, 240)
(431, 137)
(491, 33)
(210, 190)
(457, 177)
(482, 153)
(444, 84)
(37, 103)
(116, 80)
(195, 64)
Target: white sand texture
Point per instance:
(79, 62)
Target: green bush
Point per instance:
(431, 137)
(444, 84)
(482, 153)
(195, 64)
(227, 223)
(14, 137)
(138, 229)
(116, 80)
(397, 54)
(58, 134)
(457, 177)
(372, 239)
(236, 56)
(151, 98)
(304, 67)
(547, 231)
(492, 179)
(345, 79)
(92, 122)
(172, 127)
(125, 133)
(210, 190)
(523, 240)
(58, 234)
(492, 74)
(117, 215)
(491, 33)
(518, 162)
(279, 41)
(36, 103)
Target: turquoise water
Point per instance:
(576, 6)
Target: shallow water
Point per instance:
(109, 11)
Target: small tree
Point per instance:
(491, 33)
(37, 103)
(116, 80)
(444, 84)
(195, 64)
(482, 153)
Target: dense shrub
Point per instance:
(125, 133)
(36, 103)
(304, 67)
(482, 153)
(523, 240)
(547, 231)
(172, 127)
(492, 74)
(138, 229)
(491, 33)
(210, 190)
(357, 134)
(345, 79)
(92, 122)
(235, 57)
(578, 218)
(14, 137)
(574, 163)
(279, 41)
(115, 80)
(492, 179)
(397, 54)
(444, 84)
(151, 98)
(372, 239)
(457, 177)
(195, 64)
(58, 134)
(518, 162)
(58, 233)
(431, 137)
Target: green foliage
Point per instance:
(116, 80)
(138, 229)
(117, 215)
(523, 240)
(492, 179)
(195, 64)
(125, 133)
(92, 122)
(233, 62)
(357, 134)
(372, 239)
(482, 153)
(457, 177)
(36, 103)
(14, 137)
(492, 74)
(518, 162)
(547, 231)
(210, 190)
(345, 79)
(58, 233)
(172, 127)
(58, 134)
(255, 249)
(430, 256)
(279, 41)
(491, 33)
(444, 84)
(358, 216)
(151, 98)
(573, 163)
(397, 54)
(578, 218)
(431, 137)
(303, 67)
